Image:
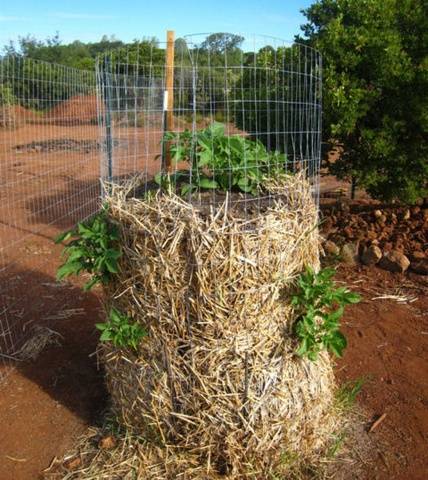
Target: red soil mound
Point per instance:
(12, 116)
(77, 110)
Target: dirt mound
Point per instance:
(77, 110)
(13, 116)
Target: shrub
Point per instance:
(375, 91)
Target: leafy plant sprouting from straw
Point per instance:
(121, 331)
(320, 306)
(219, 161)
(93, 248)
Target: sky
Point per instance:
(89, 20)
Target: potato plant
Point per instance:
(121, 331)
(320, 306)
(220, 161)
(93, 248)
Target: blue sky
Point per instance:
(128, 19)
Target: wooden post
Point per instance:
(169, 117)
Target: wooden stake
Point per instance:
(169, 118)
(377, 422)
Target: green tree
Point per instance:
(375, 56)
(221, 43)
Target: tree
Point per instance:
(375, 56)
(222, 42)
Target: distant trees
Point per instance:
(76, 54)
(41, 85)
(220, 43)
(375, 56)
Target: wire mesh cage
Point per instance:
(237, 110)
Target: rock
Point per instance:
(420, 266)
(406, 215)
(417, 255)
(388, 246)
(349, 253)
(348, 232)
(72, 463)
(107, 443)
(371, 235)
(394, 261)
(331, 248)
(371, 255)
(377, 213)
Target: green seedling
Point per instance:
(347, 393)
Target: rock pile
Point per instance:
(64, 144)
(394, 238)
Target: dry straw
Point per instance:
(216, 387)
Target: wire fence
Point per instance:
(255, 98)
(49, 177)
(250, 87)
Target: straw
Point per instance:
(216, 387)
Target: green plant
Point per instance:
(219, 161)
(337, 444)
(320, 305)
(346, 394)
(93, 248)
(121, 331)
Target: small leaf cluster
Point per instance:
(219, 161)
(320, 306)
(93, 248)
(121, 331)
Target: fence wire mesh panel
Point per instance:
(244, 107)
(49, 177)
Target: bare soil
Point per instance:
(388, 346)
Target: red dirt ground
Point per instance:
(47, 404)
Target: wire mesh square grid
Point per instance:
(239, 109)
(49, 177)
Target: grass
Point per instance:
(347, 393)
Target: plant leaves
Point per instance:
(208, 183)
